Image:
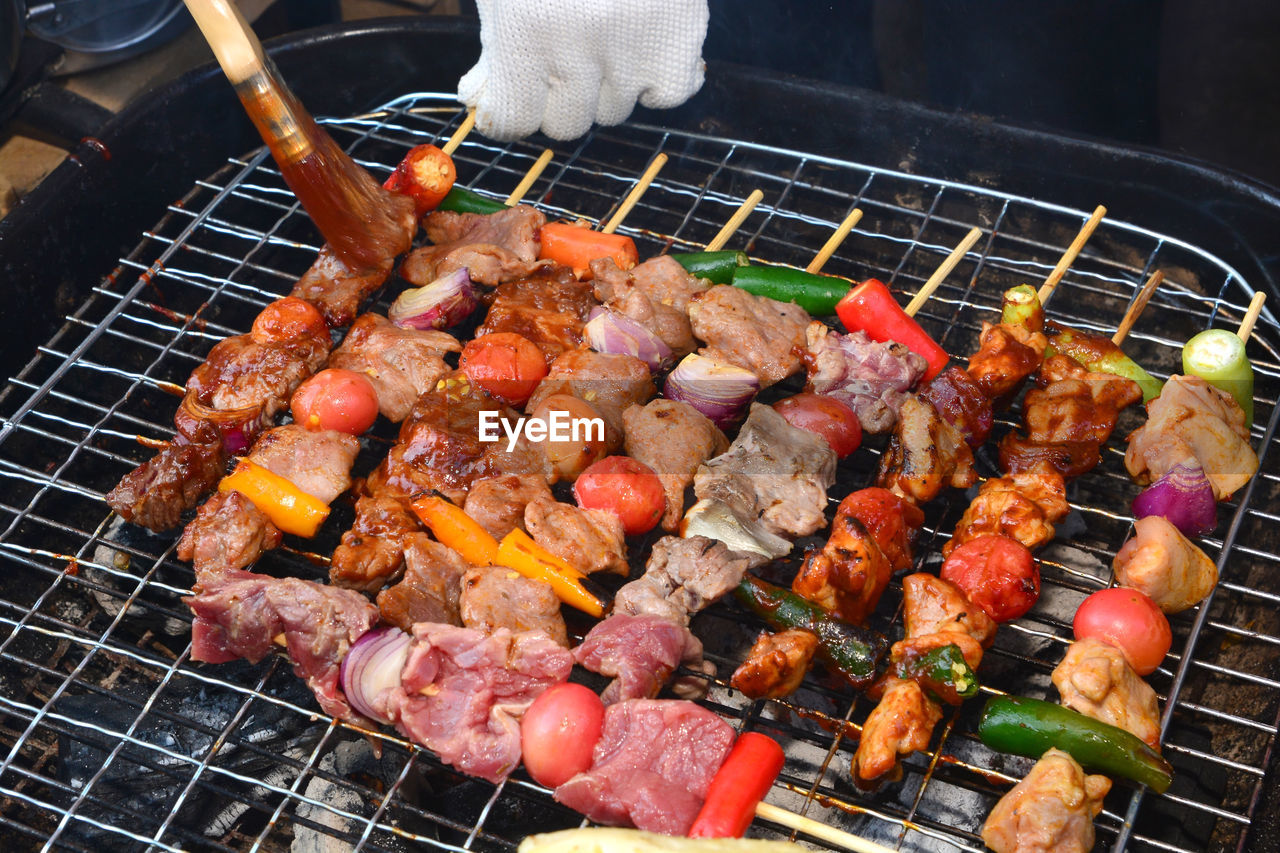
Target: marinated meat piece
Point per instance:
(1096, 680)
(485, 263)
(1069, 458)
(372, 551)
(651, 767)
(850, 573)
(1050, 811)
(776, 664)
(1023, 506)
(1190, 422)
(336, 291)
(228, 533)
(590, 540)
(430, 589)
(763, 335)
(936, 607)
(871, 378)
(773, 471)
(549, 307)
(901, 724)
(492, 248)
(497, 597)
(1007, 355)
(1075, 404)
(400, 363)
(682, 577)
(961, 403)
(655, 294)
(673, 439)
(462, 693)
(242, 616)
(515, 229)
(892, 520)
(925, 455)
(241, 373)
(1165, 565)
(610, 383)
(316, 461)
(497, 503)
(157, 492)
(639, 652)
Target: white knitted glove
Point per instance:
(561, 64)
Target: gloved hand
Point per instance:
(561, 64)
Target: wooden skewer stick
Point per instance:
(939, 275)
(460, 134)
(735, 221)
(833, 242)
(1073, 251)
(1251, 316)
(1139, 303)
(809, 826)
(633, 197)
(535, 172)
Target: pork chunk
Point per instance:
(763, 335)
(399, 363)
(497, 597)
(673, 439)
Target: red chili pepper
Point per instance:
(738, 786)
(871, 307)
(426, 174)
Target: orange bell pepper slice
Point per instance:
(453, 527)
(517, 551)
(289, 508)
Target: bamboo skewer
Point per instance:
(833, 242)
(535, 172)
(1139, 303)
(735, 221)
(939, 275)
(633, 197)
(809, 826)
(460, 134)
(1251, 316)
(1073, 251)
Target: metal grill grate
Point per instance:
(113, 739)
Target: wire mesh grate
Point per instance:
(112, 738)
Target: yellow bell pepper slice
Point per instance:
(289, 508)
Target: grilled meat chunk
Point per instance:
(655, 294)
(372, 551)
(497, 503)
(889, 518)
(848, 575)
(1073, 404)
(430, 589)
(1007, 355)
(651, 767)
(336, 291)
(1096, 680)
(316, 461)
(1165, 565)
(241, 373)
(609, 383)
(157, 492)
(871, 378)
(493, 248)
(228, 533)
(400, 363)
(936, 608)
(776, 664)
(549, 307)
(639, 652)
(673, 439)
(1191, 422)
(1050, 811)
(763, 335)
(497, 597)
(773, 471)
(960, 402)
(1023, 506)
(590, 540)
(682, 577)
(1069, 458)
(901, 724)
(925, 455)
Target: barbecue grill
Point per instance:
(113, 739)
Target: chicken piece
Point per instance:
(870, 377)
(848, 575)
(430, 588)
(338, 292)
(1190, 422)
(889, 518)
(655, 294)
(1023, 506)
(549, 307)
(316, 461)
(901, 724)
(673, 439)
(497, 503)
(372, 551)
(1070, 459)
(682, 577)
(773, 471)
(399, 363)
(496, 597)
(776, 664)
(1075, 404)
(1096, 680)
(492, 248)
(609, 383)
(763, 335)
(925, 455)
(227, 534)
(1050, 811)
(1165, 565)
(1007, 355)
(933, 606)
(590, 540)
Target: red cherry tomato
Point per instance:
(996, 573)
(426, 174)
(505, 365)
(288, 318)
(624, 487)
(341, 400)
(1128, 620)
(559, 732)
(824, 416)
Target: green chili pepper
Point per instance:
(462, 200)
(716, 267)
(1098, 354)
(817, 294)
(851, 651)
(1218, 357)
(942, 671)
(1021, 307)
(1030, 727)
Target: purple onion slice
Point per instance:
(717, 389)
(373, 664)
(1184, 496)
(617, 334)
(444, 302)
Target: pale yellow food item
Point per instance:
(613, 840)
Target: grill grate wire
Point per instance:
(96, 686)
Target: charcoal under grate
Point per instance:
(113, 739)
